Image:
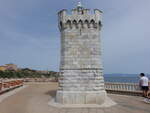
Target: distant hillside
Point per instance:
(27, 73)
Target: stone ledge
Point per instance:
(108, 103)
(81, 68)
(122, 92)
(81, 97)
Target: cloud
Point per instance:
(29, 35)
(126, 41)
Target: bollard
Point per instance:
(0, 86)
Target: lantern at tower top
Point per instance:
(79, 4)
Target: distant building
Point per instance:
(2, 68)
(8, 67)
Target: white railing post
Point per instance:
(133, 87)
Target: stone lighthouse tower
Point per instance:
(81, 71)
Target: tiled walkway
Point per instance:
(35, 98)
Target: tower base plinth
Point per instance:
(71, 99)
(79, 97)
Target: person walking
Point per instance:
(144, 85)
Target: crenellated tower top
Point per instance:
(80, 17)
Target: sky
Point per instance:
(29, 34)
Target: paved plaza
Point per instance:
(35, 97)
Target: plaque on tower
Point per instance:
(81, 70)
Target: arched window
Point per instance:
(86, 24)
(100, 24)
(68, 24)
(60, 24)
(80, 24)
(92, 23)
(74, 24)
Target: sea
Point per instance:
(122, 78)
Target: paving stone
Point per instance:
(35, 97)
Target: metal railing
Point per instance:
(51, 79)
(123, 88)
(110, 87)
(9, 84)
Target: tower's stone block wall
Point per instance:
(81, 71)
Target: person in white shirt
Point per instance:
(143, 83)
